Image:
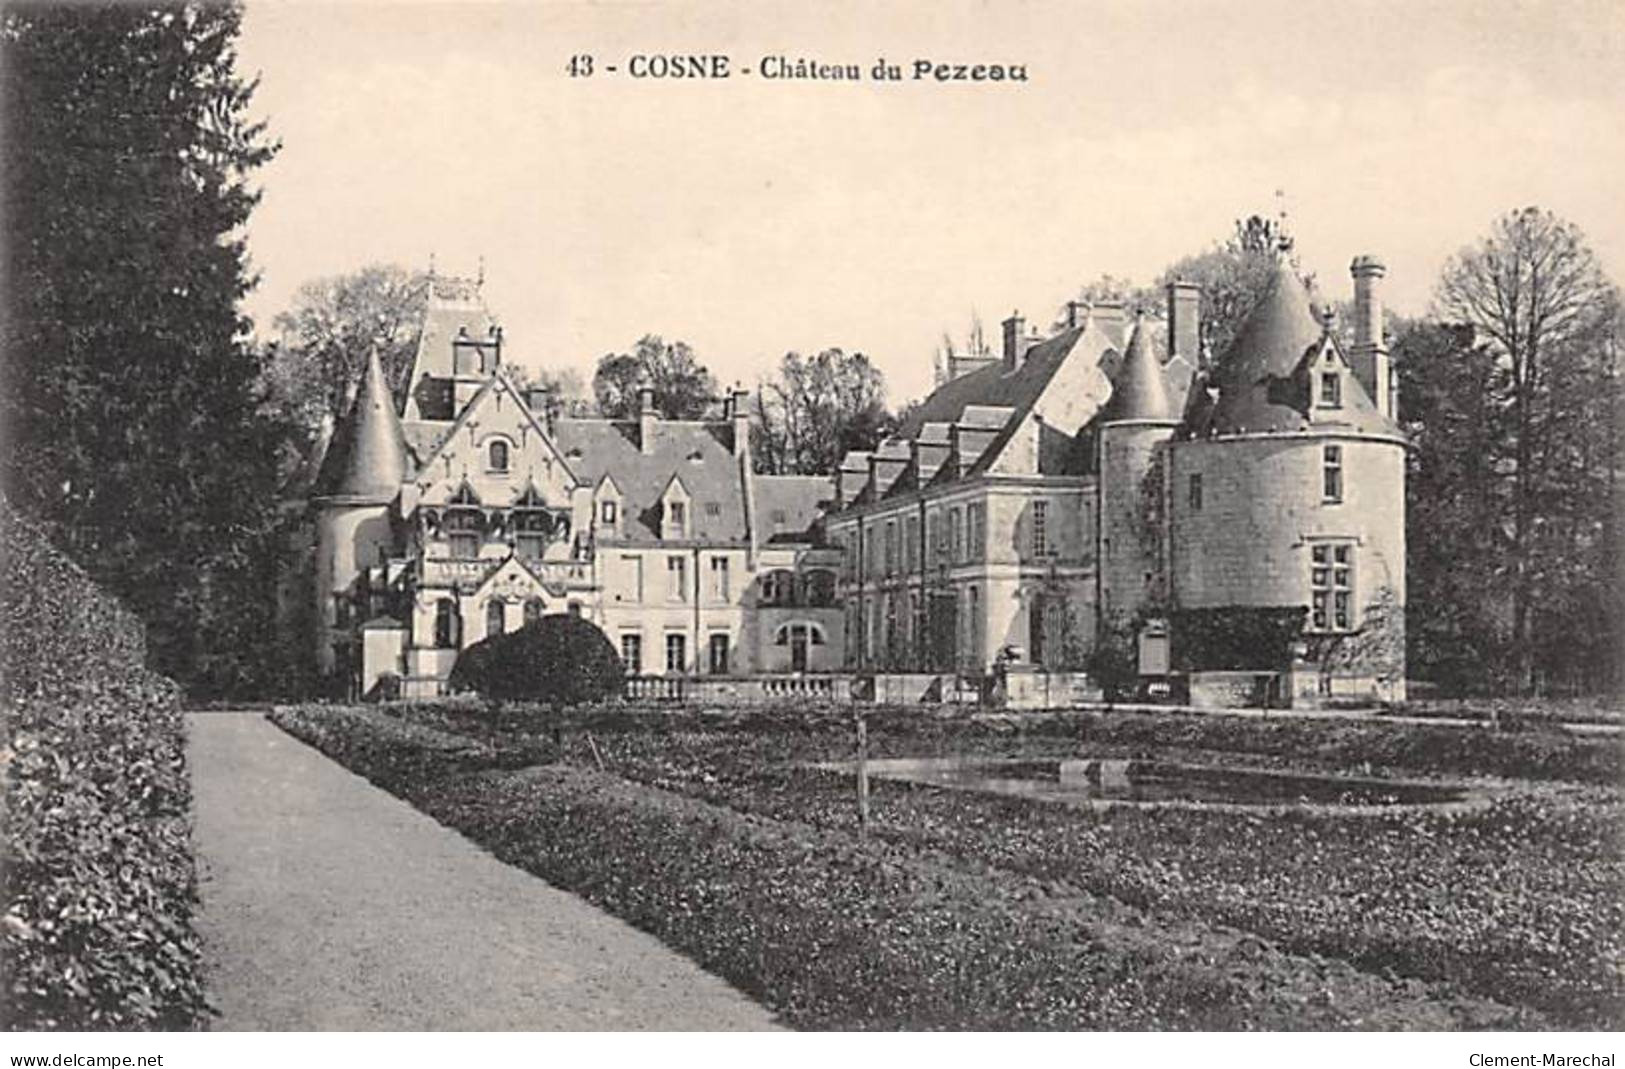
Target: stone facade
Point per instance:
(1092, 486)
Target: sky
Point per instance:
(752, 216)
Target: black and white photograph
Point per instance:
(633, 518)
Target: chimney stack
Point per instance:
(1185, 320)
(1108, 316)
(1369, 354)
(739, 416)
(646, 419)
(1015, 340)
(1076, 313)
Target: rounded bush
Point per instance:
(560, 660)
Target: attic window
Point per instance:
(606, 512)
(497, 455)
(1331, 389)
(712, 508)
(676, 518)
(574, 453)
(696, 456)
(779, 517)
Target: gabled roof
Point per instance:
(497, 381)
(1140, 391)
(994, 386)
(367, 458)
(700, 453)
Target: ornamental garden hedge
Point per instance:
(97, 870)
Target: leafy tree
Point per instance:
(323, 339)
(565, 385)
(131, 396)
(815, 410)
(683, 387)
(1233, 276)
(1536, 298)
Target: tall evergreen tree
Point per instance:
(131, 395)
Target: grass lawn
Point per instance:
(972, 910)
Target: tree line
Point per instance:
(154, 435)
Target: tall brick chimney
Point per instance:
(646, 419)
(1185, 320)
(1369, 354)
(1015, 340)
(739, 417)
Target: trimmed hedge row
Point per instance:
(832, 931)
(97, 874)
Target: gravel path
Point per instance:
(331, 905)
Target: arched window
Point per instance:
(534, 608)
(496, 618)
(812, 632)
(779, 588)
(447, 626)
(498, 454)
(818, 588)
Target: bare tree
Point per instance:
(1534, 293)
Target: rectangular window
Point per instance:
(676, 519)
(632, 572)
(632, 653)
(719, 654)
(1332, 473)
(1331, 585)
(933, 525)
(606, 512)
(1040, 528)
(869, 553)
(911, 544)
(956, 536)
(1196, 492)
(891, 547)
(1331, 389)
(713, 509)
(976, 530)
(721, 586)
(676, 653)
(676, 579)
(465, 545)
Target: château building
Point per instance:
(1236, 523)
(1104, 486)
(479, 508)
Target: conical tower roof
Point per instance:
(367, 458)
(1140, 392)
(1255, 370)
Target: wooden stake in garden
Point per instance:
(863, 775)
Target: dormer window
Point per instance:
(606, 512)
(1331, 389)
(676, 519)
(497, 456)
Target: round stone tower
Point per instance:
(359, 479)
(1288, 492)
(1139, 418)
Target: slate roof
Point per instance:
(1263, 378)
(698, 453)
(1140, 391)
(368, 455)
(797, 498)
(453, 303)
(995, 386)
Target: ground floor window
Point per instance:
(496, 618)
(676, 653)
(534, 609)
(448, 625)
(632, 653)
(719, 654)
(1331, 585)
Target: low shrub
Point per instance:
(387, 750)
(97, 875)
(559, 660)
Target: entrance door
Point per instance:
(798, 649)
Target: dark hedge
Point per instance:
(97, 874)
(559, 660)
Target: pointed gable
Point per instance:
(463, 453)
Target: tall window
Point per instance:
(497, 454)
(606, 512)
(676, 578)
(632, 576)
(1040, 528)
(676, 519)
(531, 530)
(956, 536)
(1196, 492)
(976, 530)
(496, 618)
(463, 532)
(1331, 584)
(676, 653)
(891, 547)
(533, 611)
(632, 652)
(447, 625)
(1332, 473)
(719, 654)
(870, 554)
(721, 585)
(911, 544)
(973, 626)
(933, 525)
(1331, 389)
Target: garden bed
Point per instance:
(962, 910)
